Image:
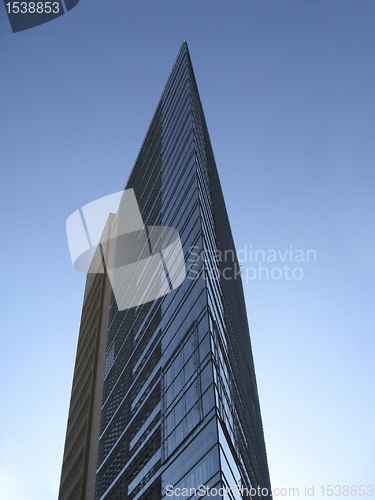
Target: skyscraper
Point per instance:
(164, 394)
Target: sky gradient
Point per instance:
(287, 87)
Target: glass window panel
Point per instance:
(188, 348)
(191, 397)
(170, 445)
(204, 347)
(179, 410)
(169, 396)
(203, 327)
(206, 376)
(201, 472)
(208, 400)
(179, 433)
(169, 423)
(192, 454)
(189, 368)
(179, 382)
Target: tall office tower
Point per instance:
(164, 394)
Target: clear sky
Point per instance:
(288, 91)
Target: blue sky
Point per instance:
(288, 91)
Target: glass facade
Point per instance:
(180, 406)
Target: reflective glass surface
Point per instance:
(180, 404)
